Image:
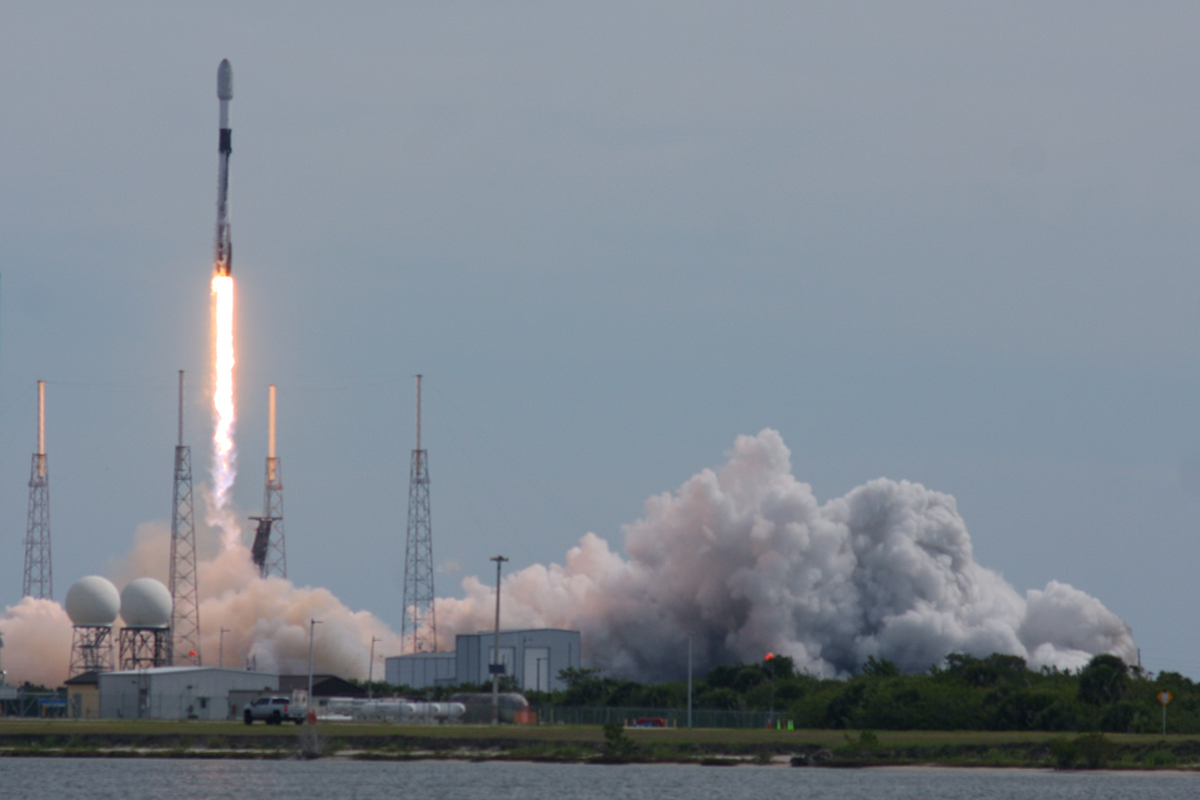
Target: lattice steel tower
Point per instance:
(418, 627)
(269, 551)
(185, 596)
(39, 581)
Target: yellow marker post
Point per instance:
(1165, 698)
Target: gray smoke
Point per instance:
(747, 561)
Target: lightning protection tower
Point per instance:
(38, 575)
(269, 551)
(185, 596)
(418, 627)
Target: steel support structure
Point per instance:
(185, 593)
(275, 558)
(143, 648)
(91, 649)
(418, 626)
(39, 580)
(270, 549)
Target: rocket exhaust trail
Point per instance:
(224, 463)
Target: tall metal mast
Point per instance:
(185, 596)
(418, 627)
(269, 551)
(39, 580)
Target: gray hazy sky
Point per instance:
(953, 243)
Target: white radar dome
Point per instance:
(146, 603)
(93, 601)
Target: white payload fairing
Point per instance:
(223, 252)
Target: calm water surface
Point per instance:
(165, 779)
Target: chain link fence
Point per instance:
(674, 717)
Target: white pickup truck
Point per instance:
(274, 710)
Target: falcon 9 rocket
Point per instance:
(223, 252)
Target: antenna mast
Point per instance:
(418, 626)
(185, 596)
(39, 580)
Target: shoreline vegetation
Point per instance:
(611, 744)
(966, 712)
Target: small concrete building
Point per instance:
(179, 692)
(83, 696)
(534, 657)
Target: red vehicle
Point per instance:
(651, 722)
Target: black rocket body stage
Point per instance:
(223, 252)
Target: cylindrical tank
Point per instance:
(146, 603)
(93, 601)
(433, 712)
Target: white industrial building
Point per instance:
(421, 670)
(180, 692)
(534, 657)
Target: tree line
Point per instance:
(998, 692)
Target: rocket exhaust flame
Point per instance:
(224, 464)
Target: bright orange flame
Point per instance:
(224, 467)
(769, 657)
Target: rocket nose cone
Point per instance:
(225, 81)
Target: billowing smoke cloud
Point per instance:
(746, 561)
(267, 620)
(37, 642)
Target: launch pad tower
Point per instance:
(38, 574)
(184, 647)
(418, 627)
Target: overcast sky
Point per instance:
(952, 243)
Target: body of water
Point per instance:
(172, 779)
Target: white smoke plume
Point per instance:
(267, 620)
(747, 561)
(37, 642)
(744, 559)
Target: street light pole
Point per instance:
(312, 627)
(496, 667)
(221, 648)
(371, 666)
(689, 680)
(769, 661)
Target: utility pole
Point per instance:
(371, 666)
(496, 667)
(689, 680)
(312, 627)
(769, 661)
(221, 647)
(185, 596)
(39, 581)
(418, 624)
